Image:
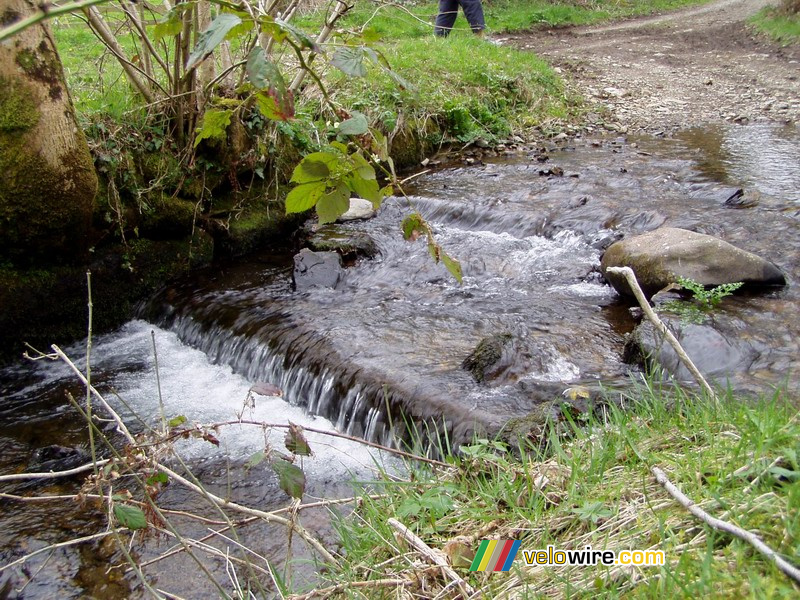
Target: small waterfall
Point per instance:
(331, 390)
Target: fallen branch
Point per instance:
(342, 587)
(724, 526)
(52, 474)
(436, 558)
(629, 276)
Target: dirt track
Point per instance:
(696, 66)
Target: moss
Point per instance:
(170, 218)
(43, 65)
(44, 213)
(17, 111)
(486, 354)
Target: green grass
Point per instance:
(738, 460)
(783, 28)
(470, 88)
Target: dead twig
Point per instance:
(434, 557)
(724, 526)
(630, 277)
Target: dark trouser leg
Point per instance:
(448, 11)
(473, 10)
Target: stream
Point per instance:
(388, 343)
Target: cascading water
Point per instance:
(388, 343)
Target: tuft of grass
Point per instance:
(782, 27)
(592, 485)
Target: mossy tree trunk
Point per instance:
(47, 178)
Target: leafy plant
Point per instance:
(702, 302)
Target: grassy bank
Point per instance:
(593, 486)
(780, 26)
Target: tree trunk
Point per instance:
(48, 181)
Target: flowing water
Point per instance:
(387, 344)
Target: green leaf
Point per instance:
(299, 36)
(350, 61)
(355, 125)
(265, 75)
(363, 168)
(315, 167)
(157, 478)
(290, 477)
(333, 204)
(380, 145)
(170, 25)
(296, 442)
(274, 107)
(211, 38)
(129, 516)
(255, 460)
(304, 196)
(413, 226)
(452, 265)
(781, 473)
(402, 82)
(214, 126)
(366, 188)
(175, 421)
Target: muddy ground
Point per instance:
(659, 74)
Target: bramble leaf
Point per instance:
(129, 516)
(368, 189)
(296, 442)
(355, 125)
(212, 37)
(350, 61)
(452, 265)
(291, 478)
(413, 226)
(315, 167)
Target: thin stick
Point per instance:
(629, 276)
(434, 557)
(53, 474)
(336, 434)
(120, 423)
(724, 526)
(80, 540)
(372, 583)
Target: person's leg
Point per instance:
(473, 10)
(448, 11)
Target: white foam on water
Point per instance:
(191, 386)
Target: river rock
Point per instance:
(359, 209)
(659, 257)
(316, 269)
(717, 348)
(345, 241)
(490, 358)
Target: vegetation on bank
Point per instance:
(590, 483)
(781, 23)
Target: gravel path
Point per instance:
(697, 66)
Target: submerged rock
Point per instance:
(717, 348)
(359, 209)
(660, 257)
(316, 269)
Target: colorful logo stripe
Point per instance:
(495, 555)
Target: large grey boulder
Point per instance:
(659, 257)
(316, 269)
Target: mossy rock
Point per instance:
(347, 242)
(413, 141)
(169, 218)
(488, 353)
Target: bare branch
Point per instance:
(724, 526)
